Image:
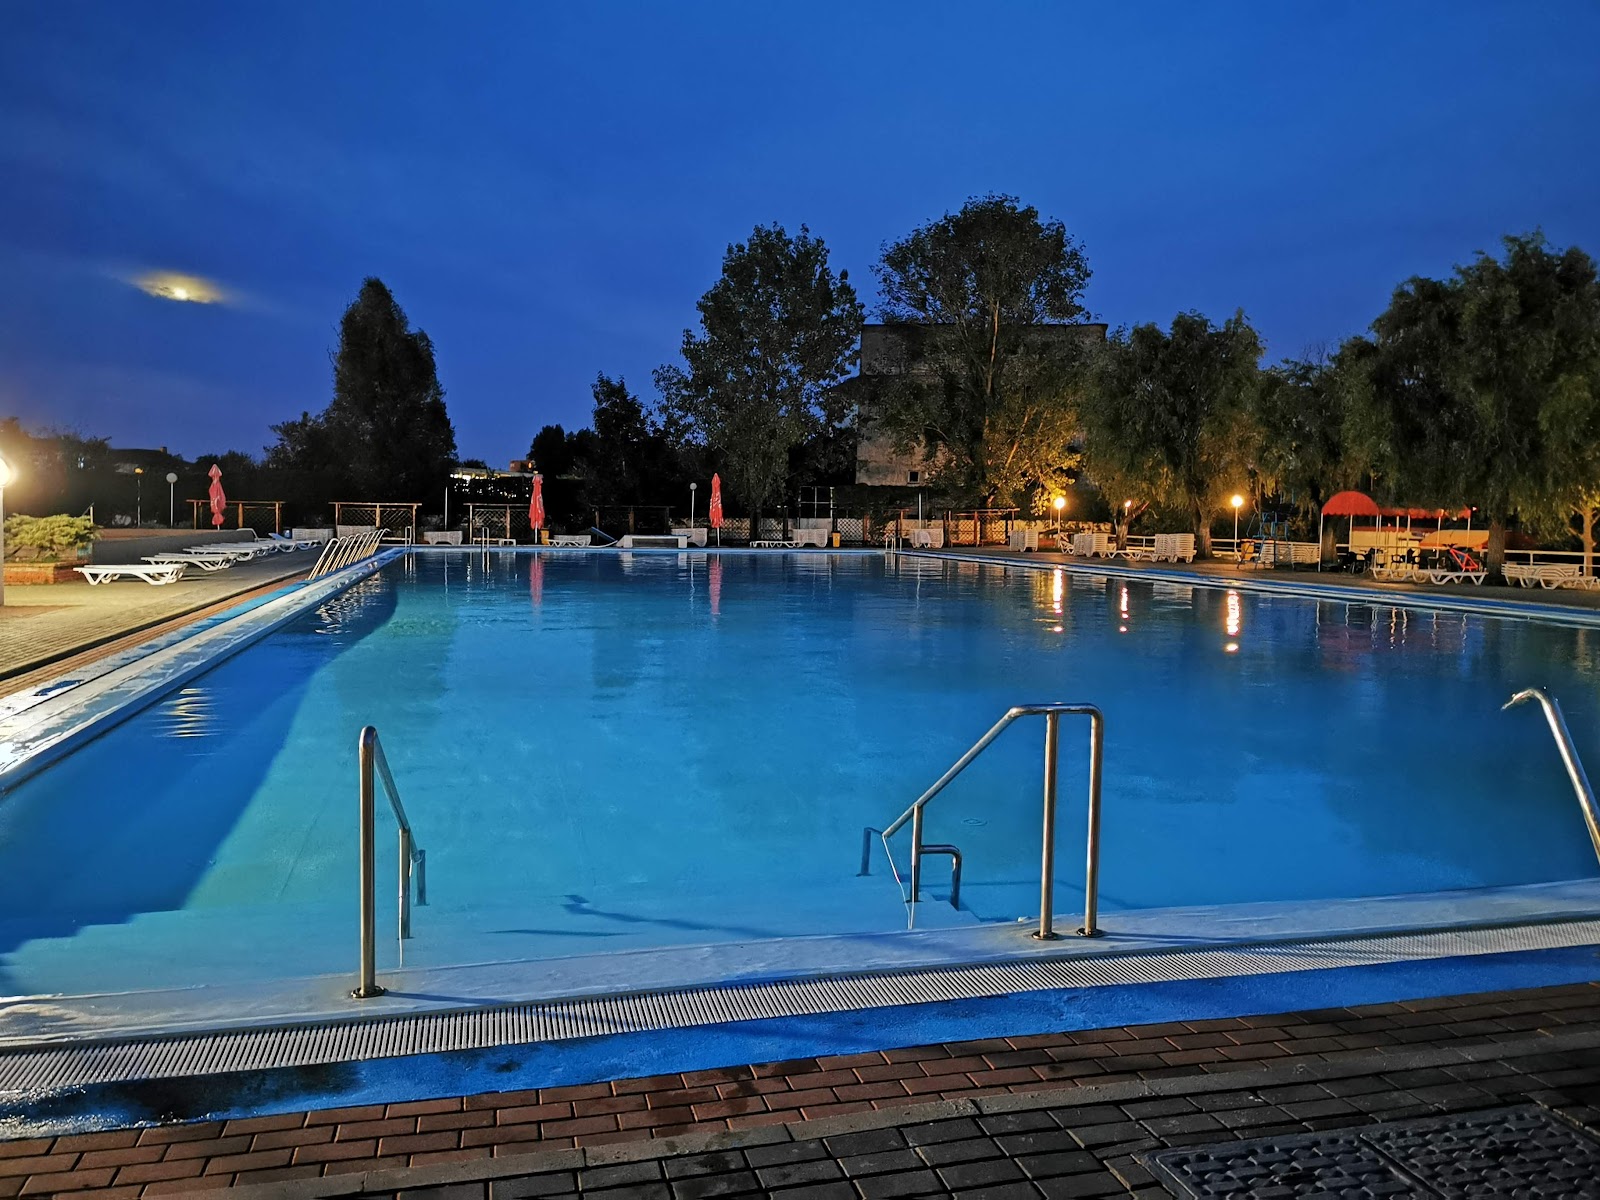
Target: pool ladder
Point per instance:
(1569, 757)
(373, 767)
(1052, 714)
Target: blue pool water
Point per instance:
(602, 751)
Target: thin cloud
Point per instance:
(183, 288)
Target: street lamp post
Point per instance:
(172, 504)
(1238, 503)
(138, 497)
(5, 478)
(1060, 503)
(692, 488)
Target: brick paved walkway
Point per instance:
(1116, 1087)
(47, 623)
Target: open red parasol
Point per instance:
(1350, 504)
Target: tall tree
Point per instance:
(987, 389)
(551, 451)
(1168, 416)
(1484, 389)
(1299, 415)
(630, 460)
(386, 432)
(777, 332)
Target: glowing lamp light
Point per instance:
(5, 472)
(1060, 503)
(1237, 502)
(1127, 504)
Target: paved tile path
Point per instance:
(47, 623)
(1095, 1100)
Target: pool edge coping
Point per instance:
(1486, 606)
(1506, 910)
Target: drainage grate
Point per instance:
(54, 1066)
(1523, 1151)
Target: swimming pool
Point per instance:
(603, 751)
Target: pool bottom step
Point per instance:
(237, 945)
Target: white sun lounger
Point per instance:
(155, 574)
(238, 550)
(206, 562)
(1586, 582)
(1394, 573)
(284, 542)
(1547, 575)
(1436, 575)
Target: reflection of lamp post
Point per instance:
(1060, 503)
(5, 478)
(1238, 503)
(172, 506)
(692, 488)
(138, 497)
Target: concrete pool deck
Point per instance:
(1056, 1114)
(43, 626)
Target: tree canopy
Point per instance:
(985, 388)
(1485, 388)
(778, 332)
(1167, 417)
(386, 433)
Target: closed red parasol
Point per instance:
(715, 511)
(536, 506)
(219, 499)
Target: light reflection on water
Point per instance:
(190, 713)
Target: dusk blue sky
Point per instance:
(547, 189)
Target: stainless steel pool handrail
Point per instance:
(1569, 757)
(342, 552)
(1052, 714)
(374, 766)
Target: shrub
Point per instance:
(48, 539)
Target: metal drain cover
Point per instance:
(1523, 1151)
(1315, 1164)
(1494, 1153)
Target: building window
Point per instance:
(913, 476)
